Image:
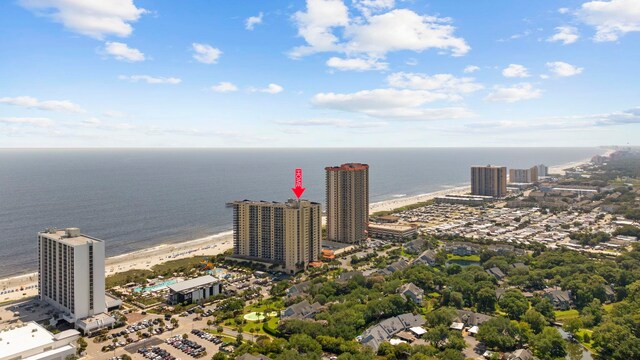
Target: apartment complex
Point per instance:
(489, 180)
(543, 170)
(347, 202)
(286, 234)
(71, 276)
(523, 175)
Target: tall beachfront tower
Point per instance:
(347, 203)
(286, 234)
(489, 180)
(523, 175)
(71, 273)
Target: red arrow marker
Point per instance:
(298, 189)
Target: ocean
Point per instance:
(137, 198)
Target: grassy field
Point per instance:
(464, 258)
(564, 315)
(580, 333)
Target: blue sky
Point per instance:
(320, 73)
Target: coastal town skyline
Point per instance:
(321, 73)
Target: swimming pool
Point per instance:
(155, 287)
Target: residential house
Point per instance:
(383, 331)
(496, 273)
(561, 299)
(301, 310)
(428, 258)
(411, 292)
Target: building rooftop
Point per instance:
(291, 203)
(68, 236)
(26, 337)
(348, 167)
(193, 283)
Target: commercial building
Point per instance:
(523, 175)
(543, 170)
(392, 231)
(489, 180)
(30, 341)
(463, 199)
(347, 202)
(71, 277)
(194, 290)
(283, 234)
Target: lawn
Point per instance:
(564, 315)
(580, 334)
(464, 258)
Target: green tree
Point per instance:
(486, 300)
(514, 304)
(441, 316)
(549, 344)
(499, 333)
(536, 321)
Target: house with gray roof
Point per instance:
(427, 257)
(496, 273)
(383, 331)
(470, 318)
(301, 310)
(299, 289)
(411, 292)
(561, 299)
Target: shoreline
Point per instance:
(218, 243)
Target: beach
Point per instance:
(25, 285)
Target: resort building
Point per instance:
(463, 199)
(194, 290)
(282, 234)
(71, 277)
(392, 231)
(32, 341)
(521, 176)
(543, 170)
(347, 202)
(489, 180)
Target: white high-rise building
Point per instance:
(71, 276)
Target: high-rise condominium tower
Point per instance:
(287, 234)
(71, 273)
(347, 202)
(523, 175)
(489, 180)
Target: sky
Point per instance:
(319, 73)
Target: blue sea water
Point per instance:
(136, 198)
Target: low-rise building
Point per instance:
(194, 290)
(33, 342)
(377, 334)
(411, 292)
(561, 299)
(392, 231)
(428, 258)
(301, 310)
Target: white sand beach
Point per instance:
(24, 285)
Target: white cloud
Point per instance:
(563, 10)
(367, 7)
(374, 35)
(340, 123)
(565, 34)
(252, 21)
(515, 93)
(611, 19)
(444, 83)
(94, 18)
(315, 26)
(122, 51)
(403, 29)
(563, 69)
(411, 61)
(206, 54)
(471, 69)
(33, 103)
(400, 104)
(34, 121)
(151, 79)
(356, 64)
(224, 87)
(270, 89)
(515, 70)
